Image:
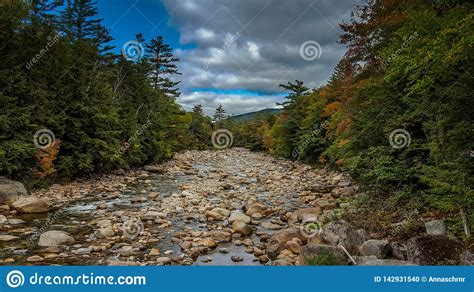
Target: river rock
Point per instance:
(256, 207)
(107, 231)
(375, 247)
(241, 228)
(434, 250)
(213, 215)
(3, 219)
(225, 213)
(6, 237)
(55, 238)
(10, 190)
(374, 261)
(278, 240)
(435, 227)
(31, 205)
(307, 213)
(163, 261)
(220, 236)
(35, 258)
(234, 216)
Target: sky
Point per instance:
(237, 52)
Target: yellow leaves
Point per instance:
(339, 162)
(342, 143)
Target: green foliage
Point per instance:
(326, 258)
(58, 73)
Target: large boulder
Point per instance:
(375, 247)
(55, 238)
(31, 205)
(322, 254)
(253, 206)
(341, 232)
(10, 190)
(434, 250)
(307, 213)
(278, 240)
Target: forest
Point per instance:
(397, 112)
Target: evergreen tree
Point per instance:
(162, 64)
(219, 114)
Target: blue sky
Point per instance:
(236, 53)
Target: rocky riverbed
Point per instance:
(229, 207)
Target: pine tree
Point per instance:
(296, 89)
(219, 114)
(197, 109)
(162, 64)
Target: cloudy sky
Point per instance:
(236, 53)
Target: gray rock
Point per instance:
(375, 247)
(235, 216)
(435, 227)
(55, 238)
(374, 261)
(340, 232)
(434, 250)
(10, 190)
(163, 261)
(399, 251)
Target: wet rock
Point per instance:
(277, 241)
(10, 190)
(224, 250)
(6, 237)
(434, 250)
(241, 228)
(186, 245)
(55, 238)
(31, 205)
(435, 227)
(375, 247)
(234, 216)
(207, 242)
(83, 250)
(236, 258)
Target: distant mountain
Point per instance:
(248, 116)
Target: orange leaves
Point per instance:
(331, 108)
(46, 159)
